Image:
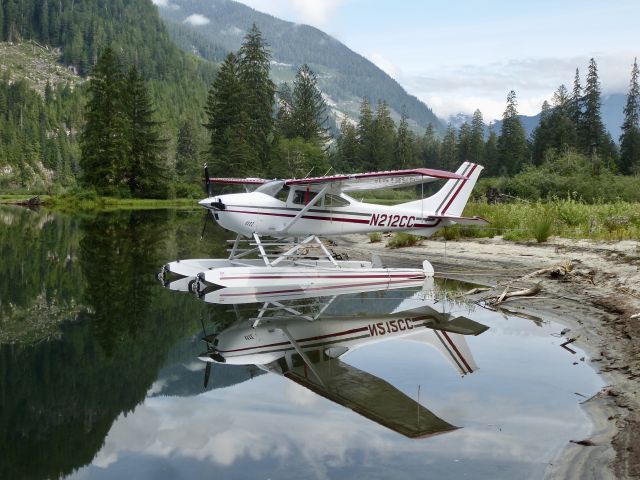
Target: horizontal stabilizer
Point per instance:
(462, 220)
(461, 325)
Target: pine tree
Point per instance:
(512, 143)
(186, 153)
(464, 142)
(309, 110)
(284, 123)
(449, 148)
(384, 139)
(476, 146)
(347, 148)
(430, 148)
(630, 138)
(147, 171)
(232, 150)
(491, 155)
(366, 137)
(259, 92)
(103, 141)
(404, 149)
(595, 137)
(577, 102)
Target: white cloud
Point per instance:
(450, 89)
(316, 12)
(197, 20)
(388, 66)
(166, 4)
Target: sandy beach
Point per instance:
(591, 287)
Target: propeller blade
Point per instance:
(204, 224)
(207, 373)
(207, 182)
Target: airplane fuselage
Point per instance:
(262, 214)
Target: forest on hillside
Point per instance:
(150, 115)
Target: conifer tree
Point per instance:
(384, 139)
(464, 143)
(284, 123)
(491, 156)
(259, 92)
(309, 110)
(103, 142)
(577, 102)
(476, 146)
(404, 148)
(186, 152)
(147, 171)
(232, 149)
(512, 143)
(449, 148)
(430, 148)
(630, 138)
(595, 138)
(366, 137)
(347, 148)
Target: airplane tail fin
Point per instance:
(451, 199)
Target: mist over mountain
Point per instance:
(209, 28)
(611, 112)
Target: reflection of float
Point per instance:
(303, 335)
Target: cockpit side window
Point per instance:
(302, 197)
(283, 194)
(335, 201)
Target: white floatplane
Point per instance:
(278, 337)
(295, 212)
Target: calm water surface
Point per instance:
(100, 376)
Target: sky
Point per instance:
(460, 55)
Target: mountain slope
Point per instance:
(345, 76)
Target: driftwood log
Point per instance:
(506, 294)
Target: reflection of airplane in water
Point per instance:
(305, 337)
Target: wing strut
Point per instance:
(306, 208)
(303, 355)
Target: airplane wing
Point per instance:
(371, 397)
(238, 181)
(376, 180)
(356, 181)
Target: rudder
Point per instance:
(452, 198)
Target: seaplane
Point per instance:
(277, 337)
(278, 222)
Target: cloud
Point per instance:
(166, 4)
(197, 20)
(385, 64)
(317, 12)
(450, 89)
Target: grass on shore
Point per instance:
(539, 220)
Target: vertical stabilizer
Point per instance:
(450, 199)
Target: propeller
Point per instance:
(204, 223)
(210, 355)
(207, 181)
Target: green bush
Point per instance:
(402, 239)
(542, 228)
(375, 237)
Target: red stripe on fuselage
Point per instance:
(308, 339)
(327, 287)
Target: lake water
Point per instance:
(100, 376)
